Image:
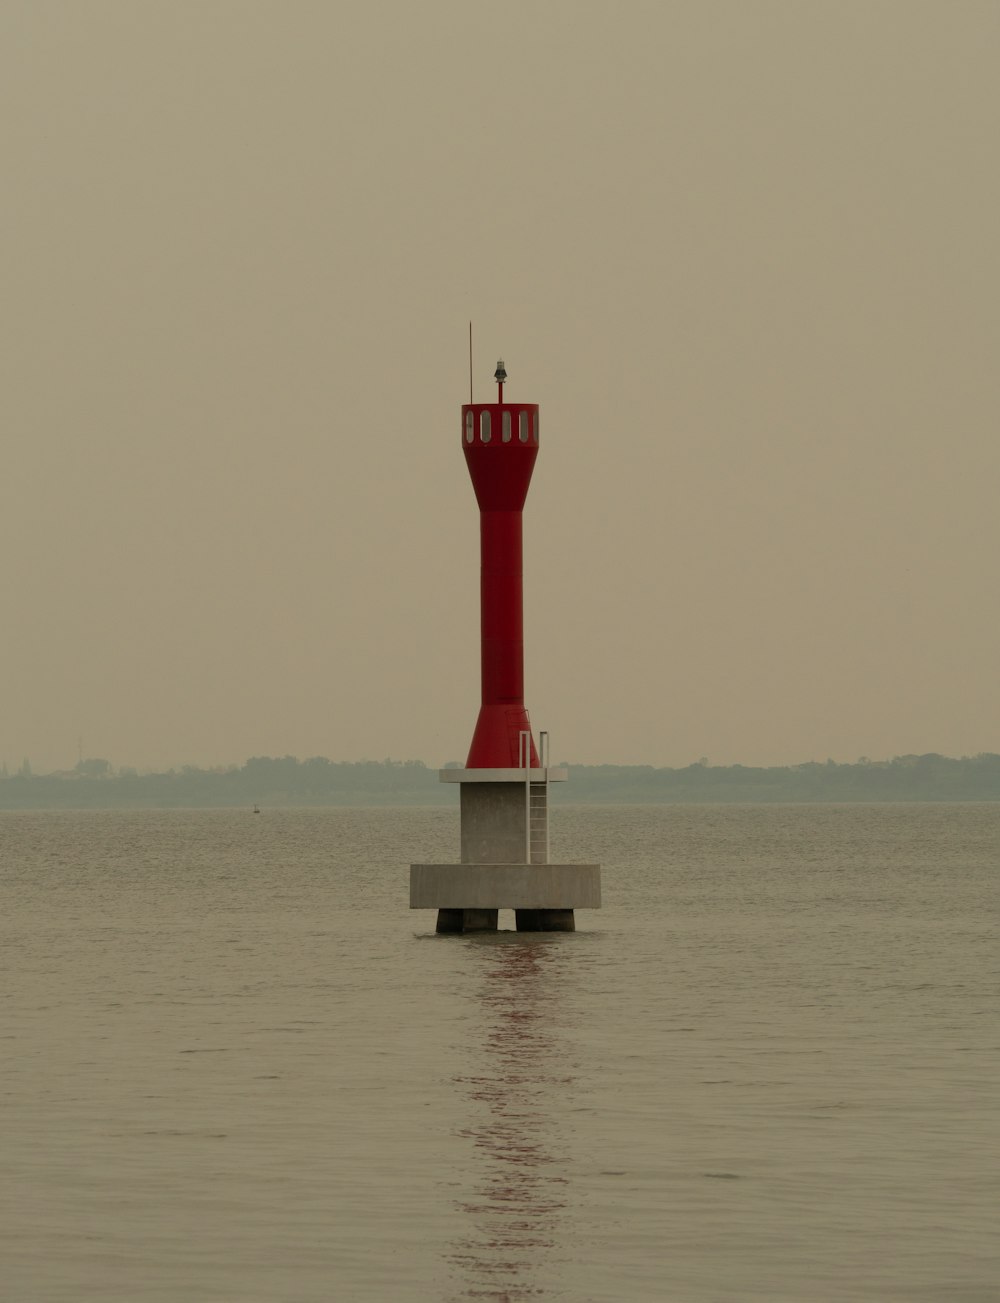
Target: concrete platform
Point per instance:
(505, 886)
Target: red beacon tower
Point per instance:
(505, 784)
(500, 441)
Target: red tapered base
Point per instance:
(496, 739)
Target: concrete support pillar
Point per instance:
(493, 825)
(467, 920)
(545, 920)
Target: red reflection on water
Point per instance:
(510, 1226)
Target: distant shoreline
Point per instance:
(287, 782)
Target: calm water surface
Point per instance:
(235, 1067)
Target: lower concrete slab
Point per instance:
(505, 886)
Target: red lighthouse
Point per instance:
(501, 443)
(504, 788)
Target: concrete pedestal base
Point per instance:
(505, 859)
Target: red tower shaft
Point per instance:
(501, 443)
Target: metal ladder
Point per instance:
(536, 799)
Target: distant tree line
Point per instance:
(929, 777)
(287, 781)
(263, 780)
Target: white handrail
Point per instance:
(543, 760)
(524, 762)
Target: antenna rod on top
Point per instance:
(470, 362)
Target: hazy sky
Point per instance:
(744, 254)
